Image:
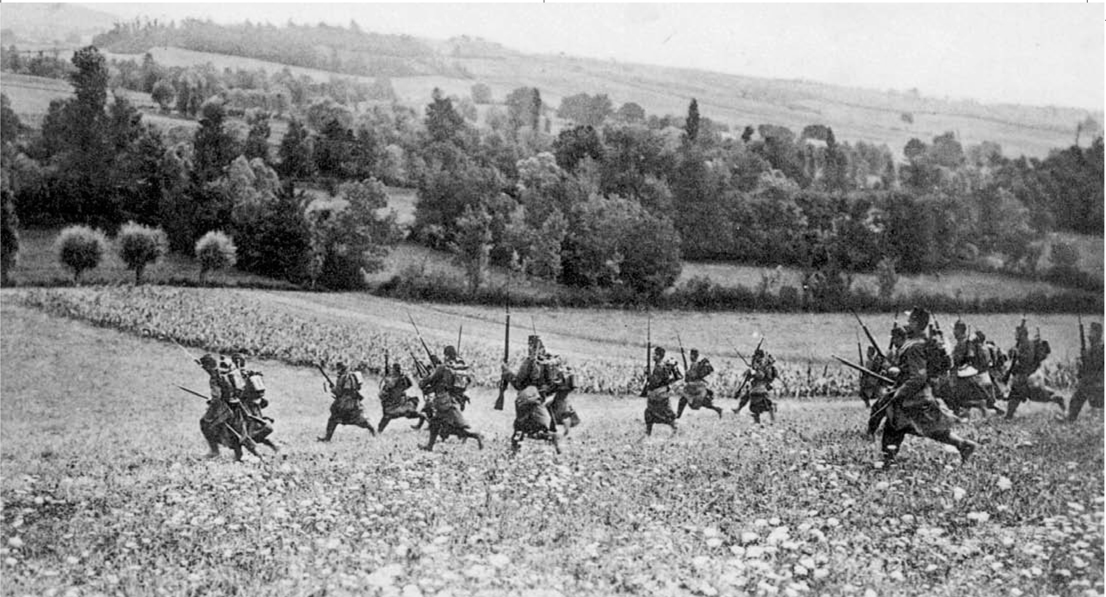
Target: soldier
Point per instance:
(984, 364)
(870, 387)
(761, 374)
(252, 399)
(428, 405)
(967, 386)
(447, 391)
(658, 409)
(394, 401)
(1025, 359)
(912, 407)
(219, 414)
(695, 393)
(561, 382)
(1089, 388)
(346, 407)
(533, 419)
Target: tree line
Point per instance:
(615, 199)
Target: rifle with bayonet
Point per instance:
(429, 353)
(329, 384)
(683, 355)
(870, 337)
(745, 399)
(648, 354)
(1082, 347)
(506, 357)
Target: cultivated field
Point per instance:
(104, 492)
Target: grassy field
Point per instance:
(104, 492)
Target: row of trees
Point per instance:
(571, 207)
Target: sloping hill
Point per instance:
(33, 24)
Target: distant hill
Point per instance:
(416, 66)
(32, 26)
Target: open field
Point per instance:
(31, 96)
(103, 492)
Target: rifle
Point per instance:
(420, 369)
(745, 381)
(866, 371)
(859, 351)
(190, 357)
(387, 366)
(682, 354)
(506, 357)
(869, 334)
(648, 344)
(197, 394)
(325, 376)
(429, 354)
(460, 328)
(740, 356)
(1082, 346)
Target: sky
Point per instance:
(1036, 54)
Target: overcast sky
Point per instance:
(1037, 54)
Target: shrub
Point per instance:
(140, 246)
(80, 248)
(215, 251)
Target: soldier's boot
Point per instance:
(717, 410)
(422, 419)
(479, 440)
(648, 429)
(889, 454)
(429, 447)
(213, 449)
(756, 419)
(331, 425)
(1011, 408)
(772, 414)
(555, 439)
(675, 428)
(681, 407)
(238, 453)
(383, 423)
(966, 449)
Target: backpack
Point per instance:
(462, 375)
(560, 374)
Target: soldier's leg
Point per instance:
(772, 411)
(212, 441)
(890, 443)
(434, 428)
(383, 423)
(366, 425)
(681, 407)
(964, 446)
(648, 428)
(331, 425)
(675, 427)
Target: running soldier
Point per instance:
(394, 401)
(967, 386)
(658, 409)
(760, 376)
(446, 389)
(912, 408)
(561, 381)
(1025, 359)
(346, 407)
(251, 396)
(1089, 388)
(695, 393)
(985, 356)
(219, 414)
(533, 419)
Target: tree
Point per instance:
(296, 154)
(163, 94)
(80, 249)
(473, 245)
(691, 126)
(139, 246)
(573, 145)
(9, 236)
(443, 123)
(9, 121)
(257, 141)
(630, 113)
(524, 108)
(887, 278)
(214, 147)
(215, 251)
(586, 110)
(349, 241)
(481, 94)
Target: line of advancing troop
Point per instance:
(920, 385)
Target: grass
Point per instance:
(103, 491)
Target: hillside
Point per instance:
(33, 25)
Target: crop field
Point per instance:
(104, 492)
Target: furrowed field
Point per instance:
(104, 490)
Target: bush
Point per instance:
(80, 248)
(215, 251)
(140, 246)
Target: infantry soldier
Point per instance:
(219, 414)
(562, 381)
(912, 408)
(985, 364)
(445, 390)
(1025, 359)
(252, 399)
(394, 401)
(658, 409)
(967, 386)
(696, 394)
(346, 407)
(533, 419)
(1089, 388)
(761, 374)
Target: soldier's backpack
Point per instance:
(462, 375)
(255, 385)
(560, 374)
